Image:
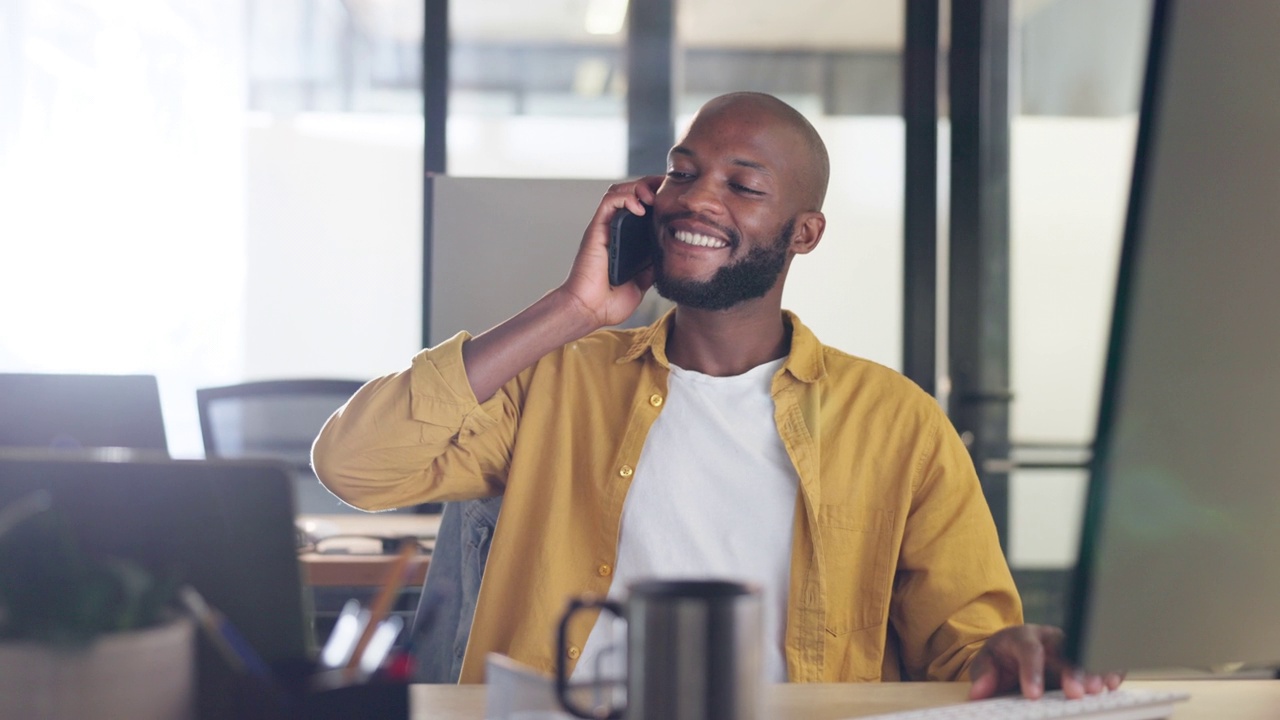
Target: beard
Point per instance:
(746, 279)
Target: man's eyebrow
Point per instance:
(753, 165)
(742, 162)
(680, 150)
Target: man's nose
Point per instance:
(700, 197)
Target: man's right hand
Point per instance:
(585, 302)
(587, 285)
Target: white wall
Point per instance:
(334, 255)
(334, 238)
(849, 290)
(1070, 181)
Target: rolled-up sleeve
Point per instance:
(418, 435)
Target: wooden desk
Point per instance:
(360, 568)
(362, 565)
(1210, 700)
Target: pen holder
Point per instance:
(300, 693)
(365, 701)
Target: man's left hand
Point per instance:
(1027, 658)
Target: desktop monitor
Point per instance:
(81, 411)
(1178, 564)
(224, 527)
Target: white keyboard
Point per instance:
(1122, 704)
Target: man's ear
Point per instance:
(808, 232)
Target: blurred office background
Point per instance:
(215, 191)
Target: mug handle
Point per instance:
(562, 648)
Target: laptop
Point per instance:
(224, 527)
(81, 411)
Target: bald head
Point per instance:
(771, 115)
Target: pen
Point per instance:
(224, 636)
(380, 642)
(344, 635)
(382, 603)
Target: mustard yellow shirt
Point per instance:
(896, 571)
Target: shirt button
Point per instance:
(625, 471)
(604, 570)
(655, 400)
(573, 652)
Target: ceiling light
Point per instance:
(605, 17)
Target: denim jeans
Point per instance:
(443, 621)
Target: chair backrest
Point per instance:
(447, 606)
(70, 411)
(269, 419)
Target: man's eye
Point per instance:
(745, 189)
(678, 175)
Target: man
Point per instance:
(723, 441)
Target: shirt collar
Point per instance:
(805, 362)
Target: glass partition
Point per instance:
(537, 89)
(840, 64)
(1080, 66)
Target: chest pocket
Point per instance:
(856, 545)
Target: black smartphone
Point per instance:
(631, 244)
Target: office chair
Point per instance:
(269, 419)
(447, 605)
(275, 419)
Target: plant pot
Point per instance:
(140, 675)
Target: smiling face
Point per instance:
(742, 195)
(748, 277)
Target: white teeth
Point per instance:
(699, 240)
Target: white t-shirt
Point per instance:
(714, 496)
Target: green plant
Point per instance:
(53, 591)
